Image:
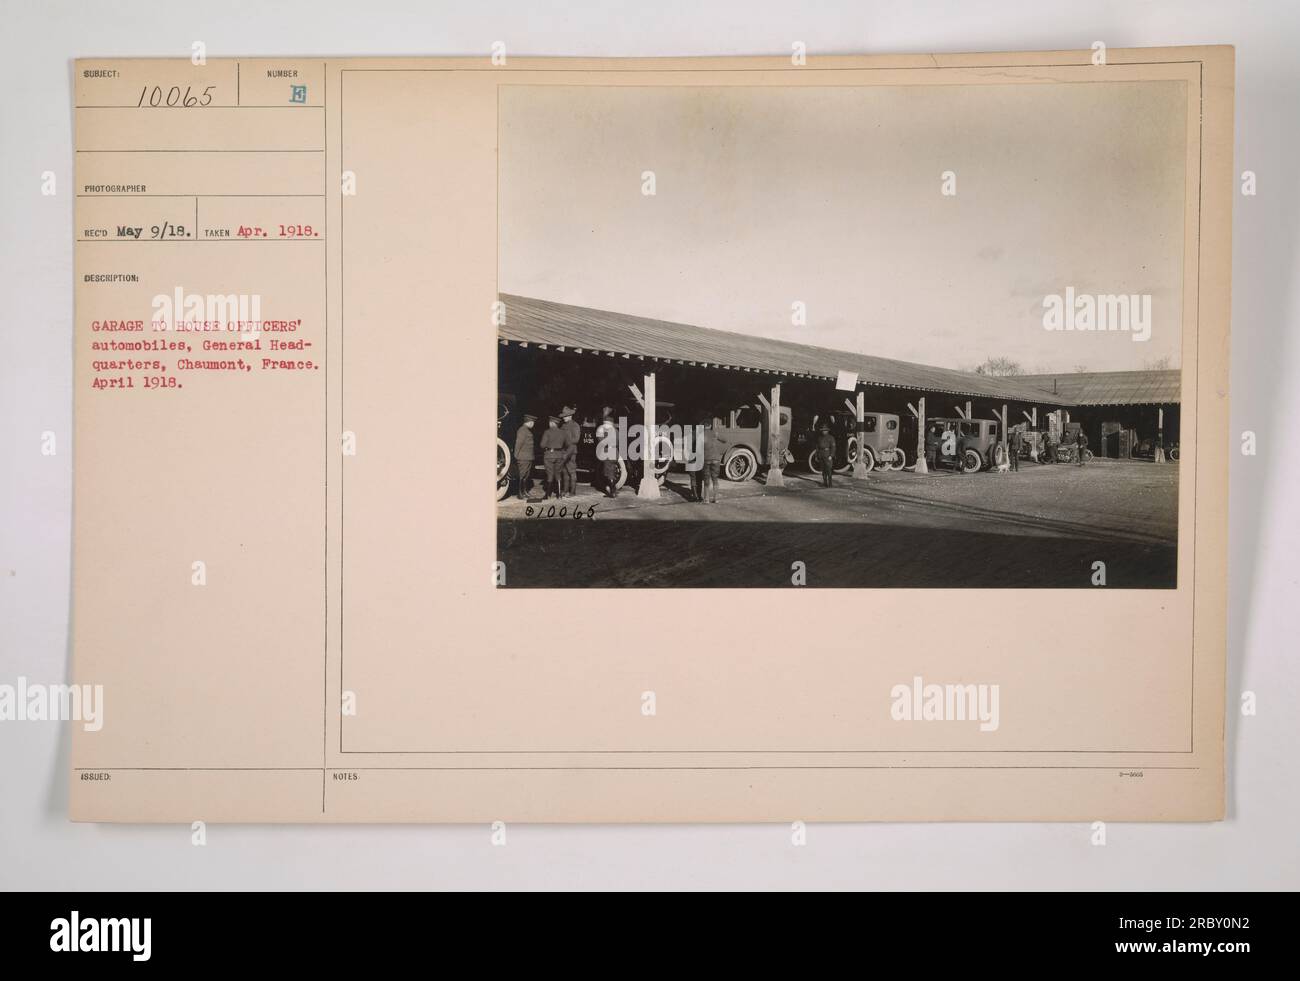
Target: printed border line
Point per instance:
(287, 105)
(756, 766)
(1196, 401)
(325, 590)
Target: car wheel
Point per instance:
(503, 488)
(503, 458)
(971, 461)
(740, 464)
(622, 476)
(1173, 454)
(868, 458)
(812, 462)
(899, 460)
(851, 456)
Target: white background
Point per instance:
(1258, 847)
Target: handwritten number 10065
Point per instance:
(577, 514)
(158, 96)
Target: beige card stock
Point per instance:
(293, 329)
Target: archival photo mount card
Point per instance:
(858, 425)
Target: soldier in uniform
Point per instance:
(1017, 441)
(572, 437)
(609, 469)
(553, 456)
(826, 454)
(932, 435)
(712, 450)
(697, 476)
(1081, 444)
(525, 455)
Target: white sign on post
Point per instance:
(847, 381)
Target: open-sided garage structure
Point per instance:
(1125, 414)
(553, 354)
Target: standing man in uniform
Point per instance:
(697, 476)
(553, 456)
(1081, 444)
(712, 450)
(1017, 440)
(709, 443)
(572, 437)
(525, 455)
(609, 469)
(826, 454)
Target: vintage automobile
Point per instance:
(744, 430)
(589, 464)
(881, 431)
(505, 417)
(509, 419)
(972, 446)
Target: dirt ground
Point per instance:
(1043, 526)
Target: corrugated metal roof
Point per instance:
(532, 321)
(1112, 387)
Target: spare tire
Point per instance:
(740, 464)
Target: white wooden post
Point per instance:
(921, 466)
(774, 478)
(1006, 443)
(1160, 435)
(649, 487)
(859, 465)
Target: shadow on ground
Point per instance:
(836, 554)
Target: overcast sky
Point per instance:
(831, 196)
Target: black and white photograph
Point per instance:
(923, 336)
